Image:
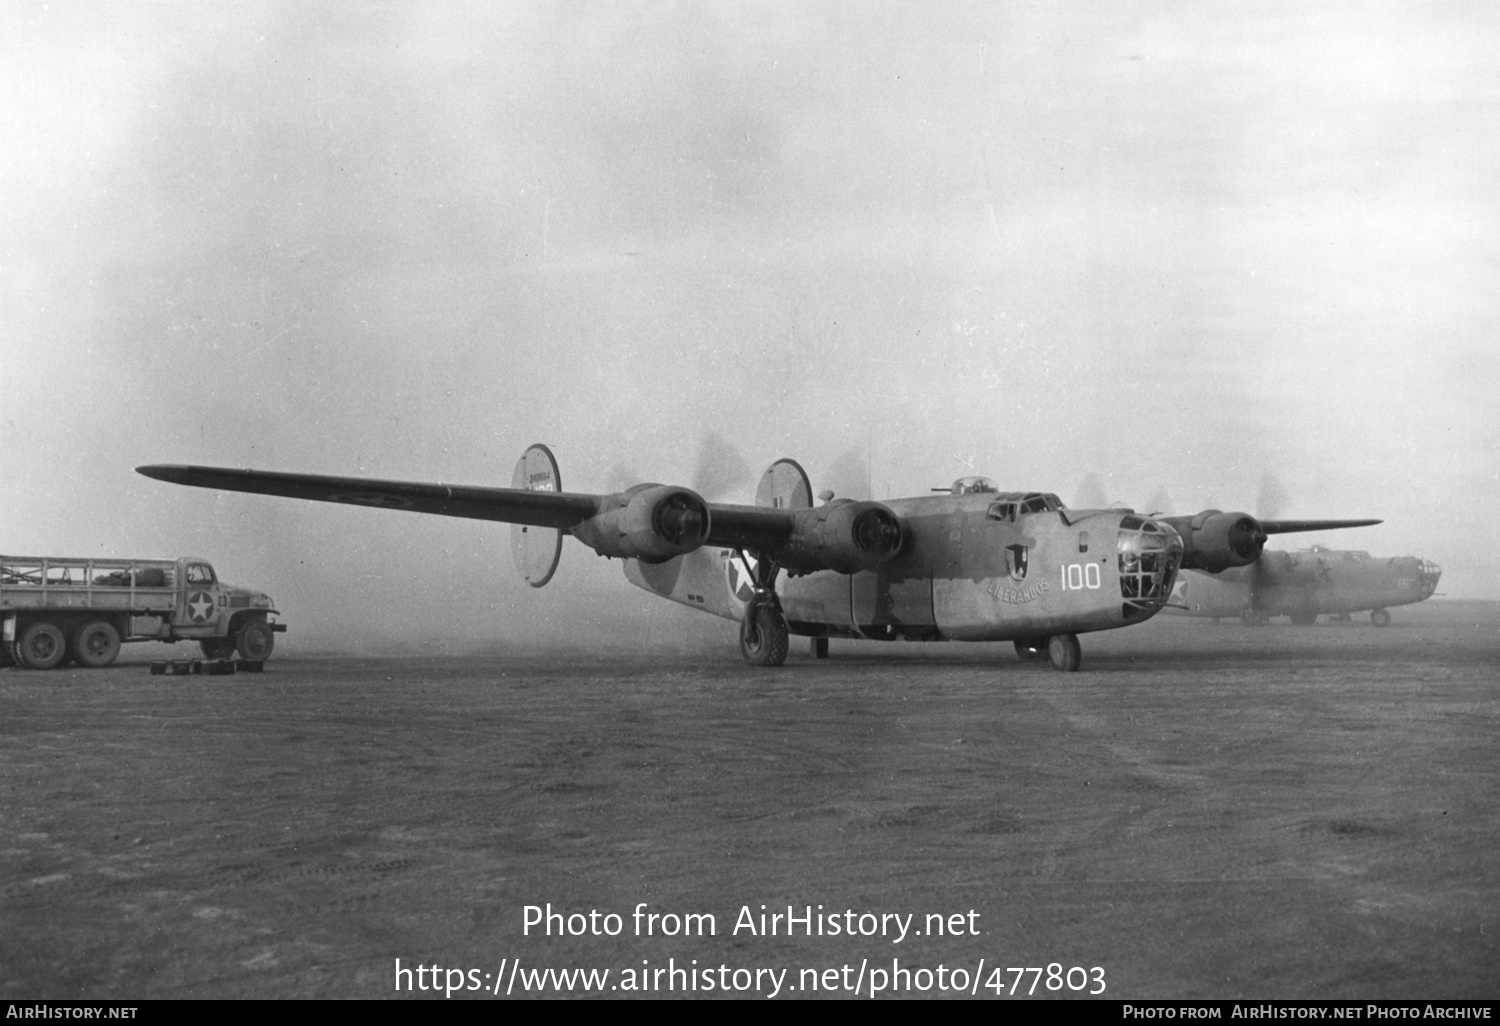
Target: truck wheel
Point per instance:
(255, 641)
(42, 647)
(217, 648)
(96, 644)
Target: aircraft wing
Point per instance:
(749, 527)
(561, 510)
(1293, 526)
(729, 525)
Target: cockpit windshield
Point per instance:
(1013, 504)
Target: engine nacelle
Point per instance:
(1215, 541)
(842, 535)
(649, 522)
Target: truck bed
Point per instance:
(143, 586)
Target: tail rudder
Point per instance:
(536, 550)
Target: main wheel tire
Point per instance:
(820, 648)
(763, 635)
(1380, 618)
(255, 640)
(1064, 652)
(217, 648)
(1305, 618)
(1030, 650)
(41, 647)
(95, 644)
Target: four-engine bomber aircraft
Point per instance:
(1301, 585)
(971, 564)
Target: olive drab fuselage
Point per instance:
(972, 567)
(1306, 583)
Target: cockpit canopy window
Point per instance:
(1014, 504)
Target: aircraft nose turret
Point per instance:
(1150, 553)
(1430, 572)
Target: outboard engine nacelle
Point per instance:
(1214, 541)
(649, 522)
(842, 535)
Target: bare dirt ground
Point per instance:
(1203, 812)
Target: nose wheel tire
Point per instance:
(1064, 652)
(1380, 618)
(1031, 650)
(763, 634)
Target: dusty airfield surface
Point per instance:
(1204, 811)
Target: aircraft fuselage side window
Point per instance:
(1005, 511)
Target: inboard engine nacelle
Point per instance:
(842, 535)
(1214, 541)
(649, 522)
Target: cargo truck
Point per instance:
(56, 610)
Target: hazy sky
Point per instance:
(1180, 247)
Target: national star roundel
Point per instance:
(741, 581)
(200, 607)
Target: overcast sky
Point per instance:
(1204, 253)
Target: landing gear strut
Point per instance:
(763, 632)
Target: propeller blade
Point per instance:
(1271, 498)
(720, 469)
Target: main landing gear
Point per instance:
(1061, 650)
(1380, 618)
(764, 637)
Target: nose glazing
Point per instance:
(1149, 553)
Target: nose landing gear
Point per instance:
(1061, 650)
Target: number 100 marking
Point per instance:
(1077, 576)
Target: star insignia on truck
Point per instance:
(200, 606)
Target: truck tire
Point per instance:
(217, 648)
(95, 644)
(255, 641)
(41, 647)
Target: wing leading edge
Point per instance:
(729, 525)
